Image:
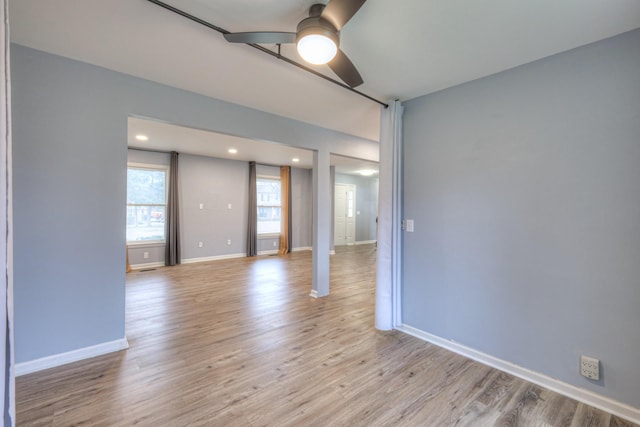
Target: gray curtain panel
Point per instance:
(172, 249)
(252, 224)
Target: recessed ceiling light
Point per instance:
(232, 150)
(295, 160)
(366, 172)
(141, 137)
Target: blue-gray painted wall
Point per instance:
(525, 191)
(69, 160)
(216, 183)
(301, 208)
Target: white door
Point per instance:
(345, 215)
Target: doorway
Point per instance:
(344, 232)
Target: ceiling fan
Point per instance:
(317, 38)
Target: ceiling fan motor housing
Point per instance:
(317, 25)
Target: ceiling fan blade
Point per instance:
(338, 12)
(270, 37)
(344, 68)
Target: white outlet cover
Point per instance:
(590, 367)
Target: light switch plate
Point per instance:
(408, 225)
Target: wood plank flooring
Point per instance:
(240, 343)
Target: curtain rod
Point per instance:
(265, 50)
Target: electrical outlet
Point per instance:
(200, 244)
(590, 367)
(229, 242)
(275, 244)
(145, 255)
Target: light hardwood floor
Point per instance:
(240, 343)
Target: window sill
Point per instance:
(269, 236)
(135, 244)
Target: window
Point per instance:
(268, 194)
(146, 203)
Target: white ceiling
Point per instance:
(403, 48)
(167, 137)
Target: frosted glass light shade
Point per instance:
(317, 49)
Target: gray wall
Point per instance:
(149, 157)
(70, 157)
(216, 183)
(366, 204)
(525, 191)
(301, 208)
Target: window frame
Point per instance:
(271, 178)
(149, 167)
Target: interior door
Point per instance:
(344, 232)
(350, 215)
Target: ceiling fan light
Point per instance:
(317, 48)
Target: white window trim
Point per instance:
(151, 167)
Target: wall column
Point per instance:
(332, 214)
(321, 223)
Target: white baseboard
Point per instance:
(310, 248)
(366, 242)
(147, 265)
(212, 258)
(590, 398)
(269, 252)
(52, 361)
